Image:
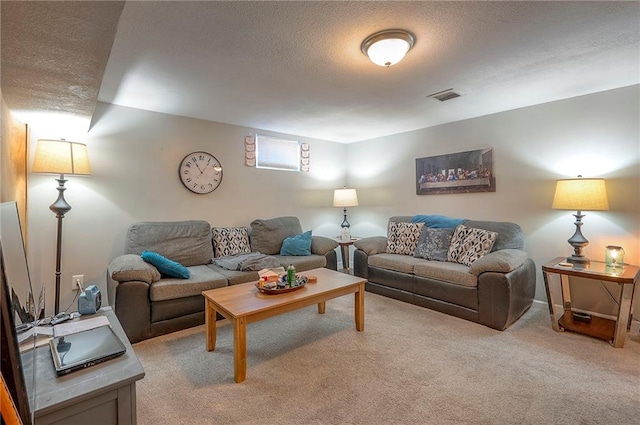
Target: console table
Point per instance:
(100, 394)
(614, 331)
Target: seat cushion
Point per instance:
(447, 272)
(395, 262)
(202, 278)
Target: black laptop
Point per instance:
(84, 349)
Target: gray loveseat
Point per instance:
(148, 304)
(495, 290)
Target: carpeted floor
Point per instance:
(411, 365)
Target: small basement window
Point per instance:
(277, 154)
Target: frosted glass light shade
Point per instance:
(345, 198)
(386, 48)
(61, 157)
(581, 195)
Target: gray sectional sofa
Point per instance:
(494, 290)
(148, 304)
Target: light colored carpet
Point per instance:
(411, 365)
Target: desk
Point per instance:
(344, 249)
(614, 331)
(100, 394)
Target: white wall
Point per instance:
(134, 157)
(595, 135)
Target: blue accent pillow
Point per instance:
(297, 245)
(437, 221)
(165, 266)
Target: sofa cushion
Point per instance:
(447, 272)
(395, 262)
(468, 244)
(129, 267)
(297, 244)
(433, 243)
(510, 235)
(230, 241)
(403, 237)
(187, 242)
(202, 278)
(235, 277)
(302, 263)
(267, 235)
(165, 266)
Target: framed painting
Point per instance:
(461, 172)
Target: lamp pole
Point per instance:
(60, 207)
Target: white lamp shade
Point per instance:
(61, 157)
(581, 195)
(345, 198)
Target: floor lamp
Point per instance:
(60, 157)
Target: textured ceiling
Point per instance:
(297, 68)
(54, 54)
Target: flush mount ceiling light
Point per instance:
(388, 47)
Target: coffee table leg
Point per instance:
(359, 307)
(240, 349)
(321, 307)
(210, 325)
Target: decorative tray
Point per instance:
(279, 290)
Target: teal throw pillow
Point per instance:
(165, 266)
(297, 245)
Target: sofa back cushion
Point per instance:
(267, 235)
(510, 235)
(186, 242)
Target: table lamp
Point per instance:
(580, 195)
(60, 157)
(345, 198)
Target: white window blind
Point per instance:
(277, 154)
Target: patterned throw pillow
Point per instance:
(434, 243)
(230, 241)
(403, 237)
(468, 244)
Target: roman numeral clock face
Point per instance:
(200, 172)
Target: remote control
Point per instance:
(59, 318)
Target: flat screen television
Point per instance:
(19, 312)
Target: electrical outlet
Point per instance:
(78, 278)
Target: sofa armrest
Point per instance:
(321, 245)
(372, 245)
(501, 261)
(130, 267)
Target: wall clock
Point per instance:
(200, 172)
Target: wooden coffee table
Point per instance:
(243, 304)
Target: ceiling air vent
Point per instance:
(445, 95)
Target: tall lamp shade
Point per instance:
(345, 198)
(60, 157)
(580, 195)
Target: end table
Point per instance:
(614, 331)
(344, 249)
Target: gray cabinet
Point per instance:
(101, 394)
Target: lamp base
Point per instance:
(580, 262)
